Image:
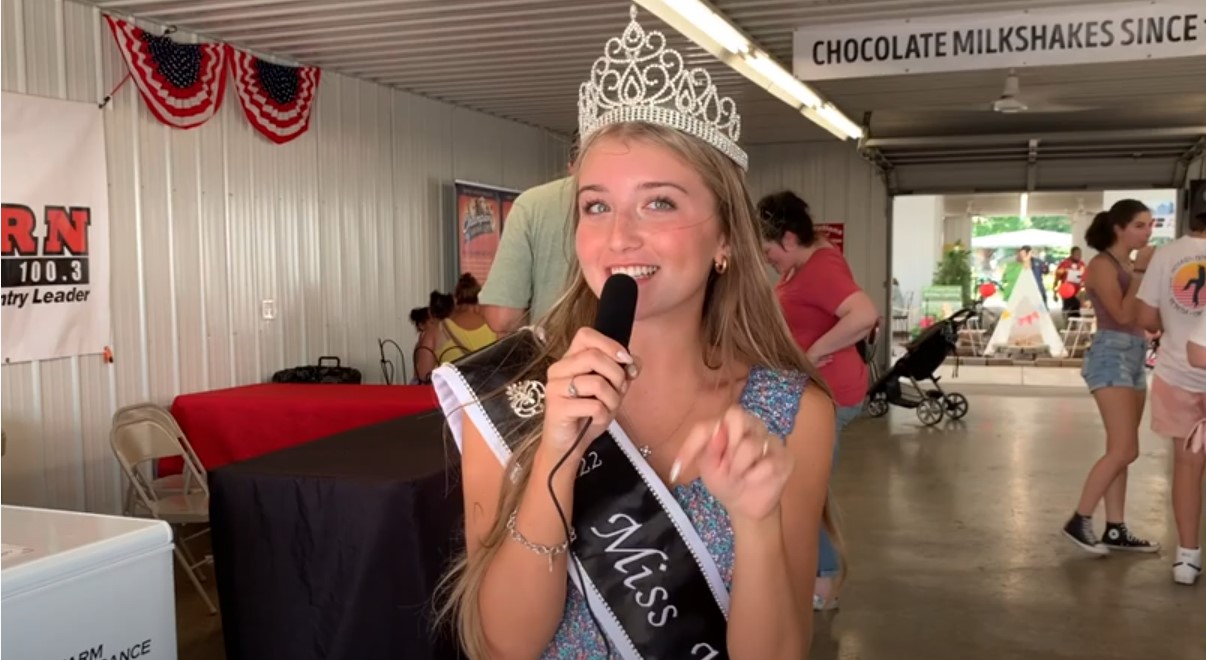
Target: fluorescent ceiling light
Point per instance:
(711, 31)
(714, 26)
(834, 116)
(779, 77)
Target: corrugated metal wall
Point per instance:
(839, 186)
(346, 229)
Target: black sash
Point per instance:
(649, 578)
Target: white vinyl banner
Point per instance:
(1161, 201)
(1101, 32)
(54, 264)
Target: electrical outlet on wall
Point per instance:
(268, 309)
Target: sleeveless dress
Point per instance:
(771, 396)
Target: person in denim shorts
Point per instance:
(1114, 371)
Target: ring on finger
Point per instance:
(765, 447)
(572, 391)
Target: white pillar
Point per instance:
(917, 236)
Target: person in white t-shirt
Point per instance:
(1172, 301)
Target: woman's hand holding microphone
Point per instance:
(587, 383)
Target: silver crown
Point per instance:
(639, 79)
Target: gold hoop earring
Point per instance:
(721, 266)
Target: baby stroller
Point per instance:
(922, 359)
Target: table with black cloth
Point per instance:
(238, 423)
(333, 549)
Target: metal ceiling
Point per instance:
(524, 59)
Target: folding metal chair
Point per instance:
(137, 442)
(170, 483)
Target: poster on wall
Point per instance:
(835, 233)
(54, 263)
(1162, 202)
(508, 200)
(481, 212)
(1014, 38)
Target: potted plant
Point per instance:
(955, 270)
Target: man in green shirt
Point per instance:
(532, 263)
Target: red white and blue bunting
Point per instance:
(183, 84)
(276, 98)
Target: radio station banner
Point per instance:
(1103, 32)
(481, 213)
(54, 245)
(835, 233)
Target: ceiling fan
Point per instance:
(1013, 101)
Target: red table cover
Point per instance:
(226, 426)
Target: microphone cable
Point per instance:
(613, 318)
(565, 526)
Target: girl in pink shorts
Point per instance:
(1173, 299)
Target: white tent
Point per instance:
(1026, 323)
(1031, 237)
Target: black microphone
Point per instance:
(614, 318)
(617, 308)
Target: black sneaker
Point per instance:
(1118, 537)
(1079, 530)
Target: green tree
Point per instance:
(997, 224)
(1059, 223)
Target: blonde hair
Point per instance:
(742, 322)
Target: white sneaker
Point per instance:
(823, 604)
(1188, 566)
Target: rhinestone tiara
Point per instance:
(639, 79)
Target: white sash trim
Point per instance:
(457, 400)
(678, 517)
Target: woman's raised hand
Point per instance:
(742, 464)
(587, 383)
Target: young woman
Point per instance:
(828, 314)
(439, 307)
(421, 318)
(1114, 371)
(692, 520)
(1169, 304)
(465, 330)
(460, 328)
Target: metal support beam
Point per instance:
(1032, 166)
(1182, 132)
(1181, 171)
(885, 168)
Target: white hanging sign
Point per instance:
(1102, 32)
(54, 233)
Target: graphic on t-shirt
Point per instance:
(1187, 283)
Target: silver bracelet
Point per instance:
(549, 551)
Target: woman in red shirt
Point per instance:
(828, 314)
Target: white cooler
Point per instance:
(80, 586)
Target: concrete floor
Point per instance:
(954, 546)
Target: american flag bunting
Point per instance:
(182, 84)
(276, 98)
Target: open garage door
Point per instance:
(1070, 160)
(1045, 95)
